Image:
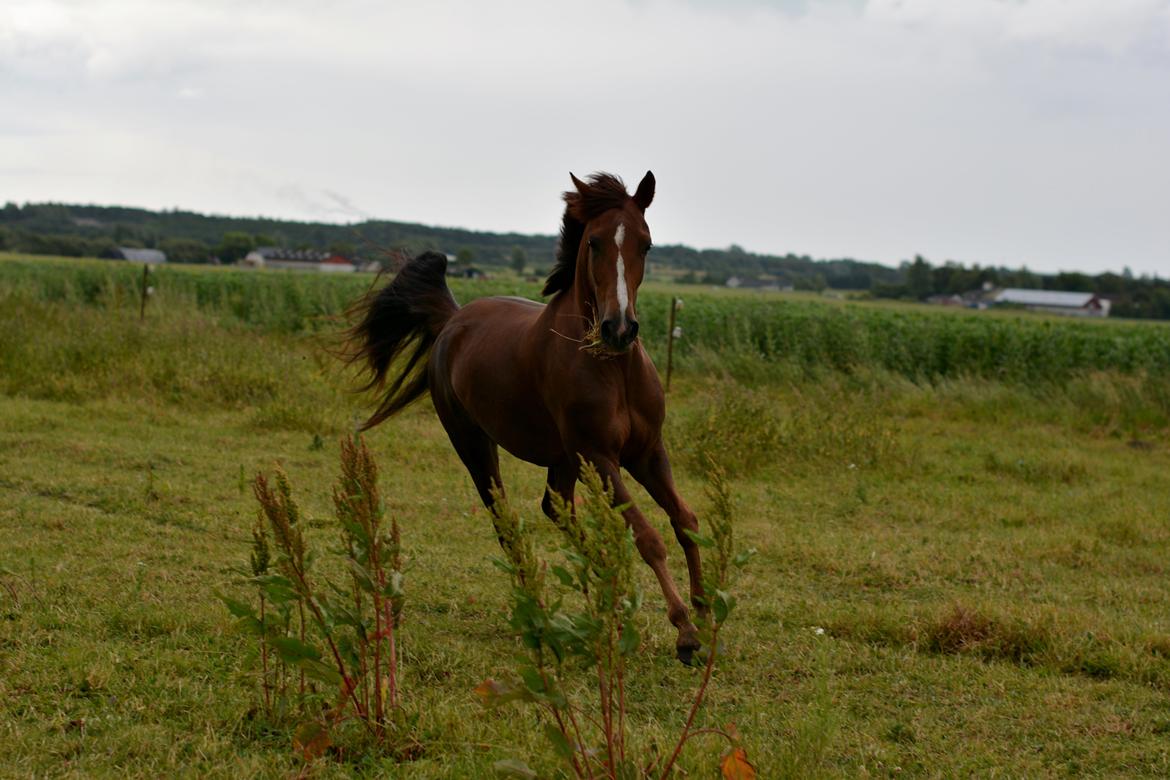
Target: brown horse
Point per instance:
(512, 373)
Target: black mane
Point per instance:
(598, 195)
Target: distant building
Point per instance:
(752, 283)
(466, 272)
(297, 260)
(457, 269)
(1077, 304)
(150, 256)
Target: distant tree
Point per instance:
(185, 250)
(814, 282)
(464, 256)
(343, 248)
(260, 239)
(1109, 284)
(1072, 282)
(918, 279)
(234, 245)
(888, 290)
(519, 260)
(1021, 278)
(946, 277)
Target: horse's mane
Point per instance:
(598, 195)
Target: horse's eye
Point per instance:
(646, 251)
(595, 243)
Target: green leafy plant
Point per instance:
(324, 635)
(589, 625)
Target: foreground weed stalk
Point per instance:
(601, 635)
(259, 561)
(355, 633)
(720, 604)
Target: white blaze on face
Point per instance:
(623, 290)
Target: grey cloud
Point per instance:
(974, 129)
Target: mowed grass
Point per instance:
(964, 577)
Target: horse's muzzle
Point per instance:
(617, 334)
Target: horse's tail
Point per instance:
(401, 320)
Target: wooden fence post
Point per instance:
(145, 291)
(671, 334)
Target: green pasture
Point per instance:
(962, 525)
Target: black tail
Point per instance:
(401, 320)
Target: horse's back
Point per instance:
(489, 319)
(524, 302)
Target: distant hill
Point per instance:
(73, 230)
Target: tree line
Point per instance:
(1141, 297)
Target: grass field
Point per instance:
(958, 573)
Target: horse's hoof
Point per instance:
(686, 654)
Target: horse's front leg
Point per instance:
(653, 473)
(653, 551)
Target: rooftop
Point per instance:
(1070, 300)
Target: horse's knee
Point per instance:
(650, 545)
(685, 520)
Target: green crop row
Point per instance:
(804, 335)
(920, 343)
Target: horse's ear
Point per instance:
(645, 192)
(577, 183)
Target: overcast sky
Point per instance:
(1017, 132)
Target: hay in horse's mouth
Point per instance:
(592, 343)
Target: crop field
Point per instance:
(961, 524)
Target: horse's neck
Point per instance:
(570, 313)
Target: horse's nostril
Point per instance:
(607, 330)
(633, 332)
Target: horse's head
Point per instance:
(604, 241)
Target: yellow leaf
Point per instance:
(311, 739)
(488, 691)
(735, 765)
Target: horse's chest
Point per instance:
(643, 429)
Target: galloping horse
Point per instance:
(511, 373)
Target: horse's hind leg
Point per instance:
(562, 480)
(475, 448)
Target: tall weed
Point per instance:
(789, 428)
(590, 624)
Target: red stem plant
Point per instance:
(344, 643)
